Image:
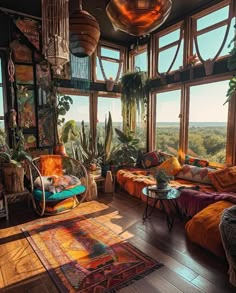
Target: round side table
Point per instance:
(155, 195)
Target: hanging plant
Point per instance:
(133, 98)
(231, 66)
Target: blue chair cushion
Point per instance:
(38, 194)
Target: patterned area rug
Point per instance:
(81, 255)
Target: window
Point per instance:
(167, 121)
(109, 63)
(79, 111)
(140, 61)
(170, 49)
(210, 30)
(207, 130)
(106, 104)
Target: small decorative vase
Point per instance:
(162, 185)
(108, 182)
(110, 85)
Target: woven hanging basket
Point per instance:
(84, 33)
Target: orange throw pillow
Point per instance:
(51, 165)
(224, 180)
(171, 166)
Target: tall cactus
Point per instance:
(108, 138)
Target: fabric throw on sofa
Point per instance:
(228, 235)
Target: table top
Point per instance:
(166, 194)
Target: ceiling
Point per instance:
(97, 9)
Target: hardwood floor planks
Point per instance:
(187, 268)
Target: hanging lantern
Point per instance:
(84, 33)
(55, 33)
(138, 17)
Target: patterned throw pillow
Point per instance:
(224, 180)
(195, 174)
(195, 161)
(171, 166)
(151, 159)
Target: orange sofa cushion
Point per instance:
(203, 228)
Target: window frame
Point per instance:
(111, 46)
(194, 33)
(156, 49)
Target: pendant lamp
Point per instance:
(84, 33)
(55, 33)
(138, 17)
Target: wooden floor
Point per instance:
(187, 268)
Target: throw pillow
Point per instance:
(195, 174)
(151, 159)
(195, 161)
(171, 166)
(224, 180)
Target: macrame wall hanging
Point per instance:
(80, 72)
(55, 33)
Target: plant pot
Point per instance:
(59, 149)
(162, 185)
(105, 168)
(13, 178)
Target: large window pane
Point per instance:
(169, 38)
(79, 111)
(112, 53)
(210, 42)
(106, 105)
(167, 121)
(213, 18)
(140, 61)
(208, 121)
(166, 57)
(110, 69)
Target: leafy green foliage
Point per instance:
(17, 154)
(62, 107)
(133, 97)
(162, 177)
(127, 150)
(231, 66)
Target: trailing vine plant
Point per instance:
(231, 66)
(133, 98)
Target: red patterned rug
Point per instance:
(81, 255)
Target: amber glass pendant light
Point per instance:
(138, 17)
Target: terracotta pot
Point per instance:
(59, 150)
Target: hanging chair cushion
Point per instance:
(49, 196)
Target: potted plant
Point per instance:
(127, 151)
(162, 179)
(12, 163)
(58, 104)
(231, 66)
(133, 97)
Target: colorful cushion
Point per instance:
(224, 180)
(203, 228)
(171, 166)
(195, 161)
(54, 207)
(151, 159)
(56, 183)
(51, 164)
(59, 195)
(195, 174)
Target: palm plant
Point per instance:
(127, 150)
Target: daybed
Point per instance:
(201, 190)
